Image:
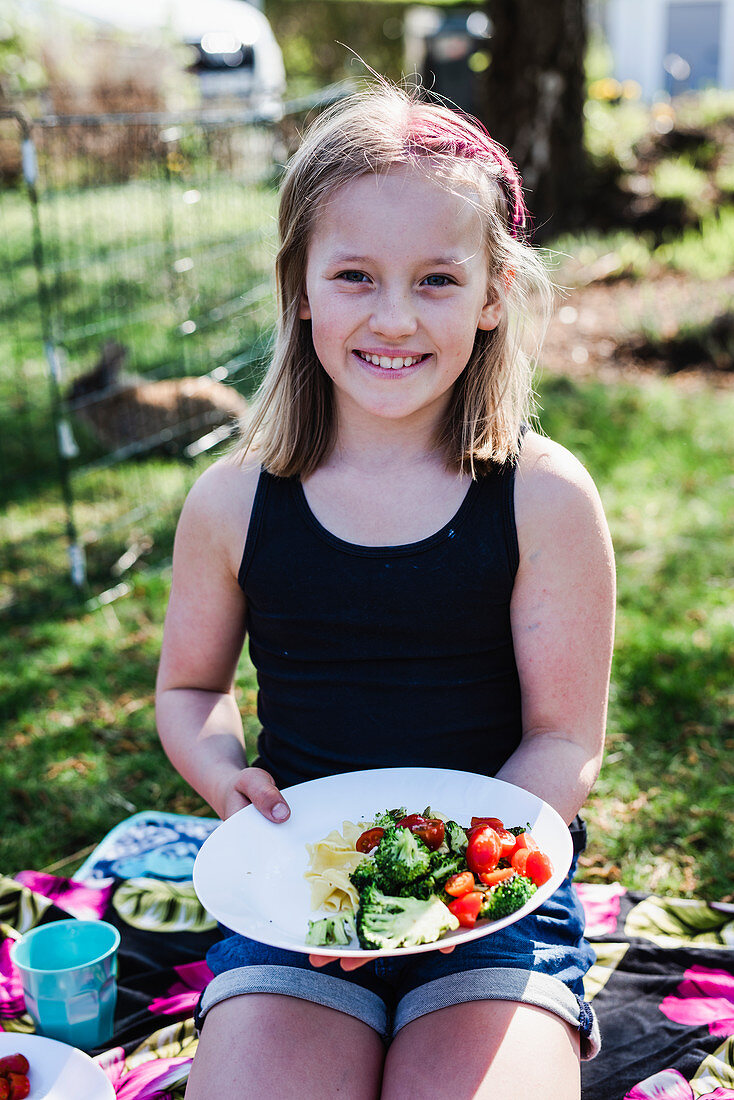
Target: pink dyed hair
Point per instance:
(448, 132)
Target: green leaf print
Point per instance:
(160, 906)
(674, 922)
(20, 908)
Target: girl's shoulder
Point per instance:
(554, 492)
(218, 507)
(543, 463)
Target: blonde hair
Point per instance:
(293, 422)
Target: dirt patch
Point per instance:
(639, 327)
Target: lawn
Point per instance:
(77, 678)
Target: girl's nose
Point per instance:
(393, 315)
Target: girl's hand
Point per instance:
(353, 964)
(255, 786)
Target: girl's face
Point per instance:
(396, 288)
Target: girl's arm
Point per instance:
(198, 718)
(562, 626)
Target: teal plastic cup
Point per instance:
(68, 970)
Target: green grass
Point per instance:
(76, 690)
(661, 458)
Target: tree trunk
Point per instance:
(535, 103)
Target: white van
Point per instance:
(234, 48)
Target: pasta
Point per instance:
(331, 861)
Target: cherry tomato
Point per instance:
(432, 833)
(430, 830)
(519, 860)
(369, 839)
(459, 884)
(483, 850)
(538, 867)
(20, 1086)
(411, 821)
(4, 1088)
(491, 878)
(523, 840)
(13, 1063)
(507, 839)
(466, 908)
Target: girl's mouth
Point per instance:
(390, 362)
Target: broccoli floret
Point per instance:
(385, 922)
(339, 929)
(424, 888)
(445, 864)
(507, 897)
(456, 838)
(401, 858)
(364, 874)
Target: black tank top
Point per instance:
(382, 656)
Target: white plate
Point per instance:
(249, 872)
(58, 1071)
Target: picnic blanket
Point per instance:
(662, 985)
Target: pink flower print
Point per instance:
(76, 898)
(669, 1084)
(112, 1062)
(12, 1001)
(705, 996)
(601, 906)
(151, 1080)
(181, 997)
(147, 1081)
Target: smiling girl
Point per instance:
(423, 580)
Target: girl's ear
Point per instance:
(491, 314)
(304, 309)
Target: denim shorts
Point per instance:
(540, 960)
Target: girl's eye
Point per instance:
(352, 276)
(438, 280)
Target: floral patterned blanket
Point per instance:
(662, 986)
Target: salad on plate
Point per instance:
(417, 876)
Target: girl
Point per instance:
(423, 580)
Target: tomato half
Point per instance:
(483, 850)
(507, 839)
(519, 860)
(491, 878)
(523, 840)
(493, 821)
(20, 1086)
(13, 1063)
(466, 908)
(430, 830)
(411, 821)
(459, 884)
(538, 867)
(369, 839)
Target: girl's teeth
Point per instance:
(387, 363)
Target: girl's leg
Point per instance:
(266, 1044)
(484, 1049)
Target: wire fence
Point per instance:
(136, 306)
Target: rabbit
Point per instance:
(170, 415)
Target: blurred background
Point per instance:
(141, 144)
